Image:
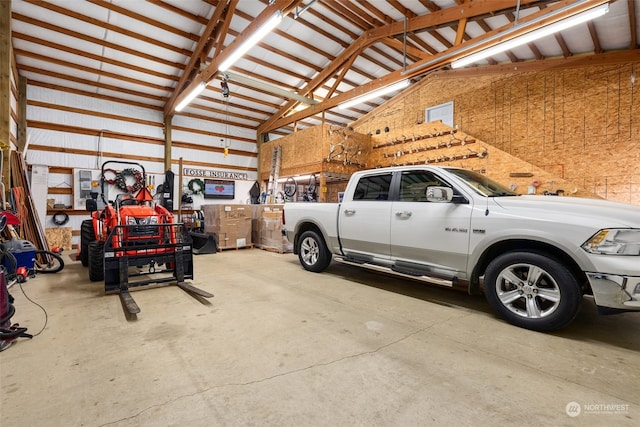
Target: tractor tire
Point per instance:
(96, 261)
(86, 236)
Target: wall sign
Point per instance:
(214, 174)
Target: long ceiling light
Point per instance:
(375, 94)
(533, 35)
(192, 95)
(251, 41)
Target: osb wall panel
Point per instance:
(329, 152)
(436, 144)
(302, 153)
(581, 125)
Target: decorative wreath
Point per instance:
(196, 186)
(122, 179)
(111, 180)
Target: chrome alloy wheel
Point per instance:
(309, 251)
(528, 291)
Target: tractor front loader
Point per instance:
(134, 242)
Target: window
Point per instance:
(443, 112)
(373, 188)
(413, 185)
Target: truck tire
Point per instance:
(86, 236)
(96, 261)
(312, 252)
(532, 291)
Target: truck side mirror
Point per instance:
(439, 194)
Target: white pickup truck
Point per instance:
(534, 257)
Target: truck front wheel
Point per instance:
(312, 252)
(532, 291)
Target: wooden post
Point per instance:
(5, 93)
(22, 114)
(167, 143)
(180, 190)
(322, 188)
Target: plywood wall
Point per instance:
(580, 126)
(329, 152)
(575, 129)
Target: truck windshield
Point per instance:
(482, 184)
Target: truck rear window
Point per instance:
(374, 187)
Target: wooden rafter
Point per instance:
(95, 71)
(142, 18)
(408, 15)
(563, 45)
(594, 37)
(99, 58)
(633, 30)
(105, 25)
(204, 44)
(453, 14)
(97, 41)
(186, 39)
(209, 72)
(439, 17)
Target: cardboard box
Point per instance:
(266, 228)
(231, 223)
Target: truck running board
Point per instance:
(396, 272)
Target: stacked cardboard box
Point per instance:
(266, 226)
(230, 223)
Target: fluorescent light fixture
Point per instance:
(375, 94)
(251, 41)
(533, 35)
(192, 95)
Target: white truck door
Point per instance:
(429, 235)
(363, 222)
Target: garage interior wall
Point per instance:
(578, 123)
(70, 130)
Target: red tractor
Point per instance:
(134, 238)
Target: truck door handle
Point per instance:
(403, 213)
(349, 211)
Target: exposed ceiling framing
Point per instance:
(324, 52)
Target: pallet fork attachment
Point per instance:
(151, 254)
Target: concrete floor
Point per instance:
(280, 346)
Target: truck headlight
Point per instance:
(614, 241)
(131, 220)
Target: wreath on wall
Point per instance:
(109, 176)
(129, 180)
(196, 186)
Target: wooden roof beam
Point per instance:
(440, 17)
(210, 71)
(633, 30)
(105, 25)
(594, 37)
(191, 69)
(452, 14)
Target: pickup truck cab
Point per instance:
(534, 257)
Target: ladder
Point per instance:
(276, 158)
